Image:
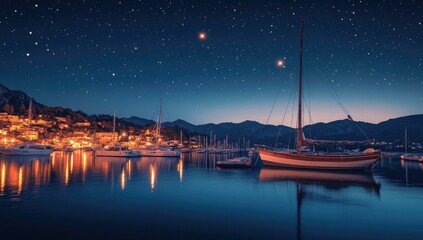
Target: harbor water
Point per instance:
(77, 196)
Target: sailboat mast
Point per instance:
(114, 120)
(405, 141)
(159, 123)
(30, 112)
(300, 94)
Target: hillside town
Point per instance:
(68, 132)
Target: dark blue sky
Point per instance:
(101, 56)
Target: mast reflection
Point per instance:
(3, 178)
(152, 176)
(181, 169)
(20, 180)
(122, 179)
(326, 179)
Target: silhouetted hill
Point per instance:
(182, 124)
(340, 129)
(138, 121)
(392, 130)
(16, 102)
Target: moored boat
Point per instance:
(412, 157)
(29, 149)
(333, 161)
(116, 151)
(238, 162)
(302, 158)
(159, 152)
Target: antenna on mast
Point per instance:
(114, 120)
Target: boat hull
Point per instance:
(315, 161)
(25, 152)
(159, 153)
(106, 153)
(233, 166)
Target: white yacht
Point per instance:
(27, 149)
(159, 152)
(116, 151)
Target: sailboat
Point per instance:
(116, 150)
(301, 158)
(157, 150)
(410, 156)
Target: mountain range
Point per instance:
(391, 130)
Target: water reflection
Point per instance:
(327, 179)
(181, 169)
(152, 176)
(307, 185)
(18, 174)
(400, 173)
(122, 179)
(2, 178)
(107, 196)
(205, 160)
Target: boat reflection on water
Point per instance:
(323, 178)
(411, 165)
(330, 180)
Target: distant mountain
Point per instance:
(139, 121)
(340, 129)
(250, 130)
(392, 130)
(182, 124)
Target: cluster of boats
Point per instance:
(412, 157)
(122, 151)
(31, 149)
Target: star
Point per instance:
(202, 36)
(280, 63)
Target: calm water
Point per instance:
(76, 196)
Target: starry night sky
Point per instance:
(101, 56)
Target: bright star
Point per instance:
(280, 63)
(202, 36)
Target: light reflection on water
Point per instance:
(191, 198)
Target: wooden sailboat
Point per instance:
(313, 160)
